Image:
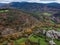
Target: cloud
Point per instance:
(58, 1)
(5, 1)
(39, 1)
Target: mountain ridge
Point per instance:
(36, 8)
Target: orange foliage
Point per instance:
(28, 31)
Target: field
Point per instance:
(34, 38)
(1, 11)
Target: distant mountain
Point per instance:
(2, 4)
(53, 5)
(34, 7)
(22, 4)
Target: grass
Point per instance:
(47, 14)
(16, 42)
(58, 29)
(21, 40)
(3, 11)
(42, 40)
(57, 42)
(33, 38)
(52, 22)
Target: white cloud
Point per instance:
(58, 1)
(39, 1)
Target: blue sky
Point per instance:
(38, 1)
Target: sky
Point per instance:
(37, 1)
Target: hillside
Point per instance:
(16, 20)
(29, 23)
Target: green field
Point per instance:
(3, 11)
(47, 14)
(35, 39)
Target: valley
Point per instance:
(36, 24)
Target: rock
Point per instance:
(51, 42)
(58, 34)
(53, 34)
(44, 31)
(49, 34)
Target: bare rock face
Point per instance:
(53, 34)
(51, 42)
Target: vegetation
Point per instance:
(18, 27)
(47, 14)
(1, 11)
